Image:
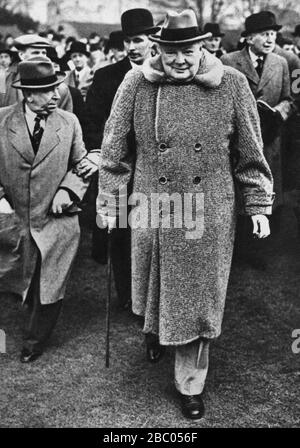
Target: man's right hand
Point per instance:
(104, 221)
(5, 206)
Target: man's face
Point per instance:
(289, 48)
(181, 63)
(5, 60)
(43, 101)
(212, 44)
(32, 51)
(138, 48)
(80, 60)
(118, 54)
(262, 43)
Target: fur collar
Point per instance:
(210, 72)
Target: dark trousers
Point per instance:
(120, 258)
(41, 319)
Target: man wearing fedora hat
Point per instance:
(30, 45)
(197, 134)
(268, 77)
(82, 76)
(39, 193)
(213, 44)
(137, 25)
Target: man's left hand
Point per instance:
(261, 227)
(61, 202)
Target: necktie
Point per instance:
(260, 66)
(37, 133)
(76, 80)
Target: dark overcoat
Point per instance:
(185, 135)
(272, 87)
(29, 182)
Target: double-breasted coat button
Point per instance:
(198, 147)
(197, 180)
(162, 180)
(162, 147)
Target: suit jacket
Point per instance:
(29, 182)
(100, 98)
(274, 84)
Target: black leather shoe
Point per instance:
(154, 349)
(28, 356)
(192, 406)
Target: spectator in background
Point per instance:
(268, 77)
(115, 47)
(8, 57)
(137, 24)
(29, 45)
(94, 38)
(82, 76)
(9, 41)
(285, 43)
(213, 44)
(97, 57)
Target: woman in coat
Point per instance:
(191, 117)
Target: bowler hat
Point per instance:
(37, 73)
(116, 40)
(78, 47)
(180, 28)
(138, 21)
(296, 31)
(214, 29)
(261, 21)
(31, 40)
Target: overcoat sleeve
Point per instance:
(72, 182)
(251, 170)
(117, 161)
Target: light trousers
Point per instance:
(191, 367)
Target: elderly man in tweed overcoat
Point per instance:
(40, 145)
(197, 135)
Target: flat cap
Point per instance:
(31, 40)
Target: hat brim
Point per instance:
(60, 78)
(275, 28)
(147, 31)
(158, 40)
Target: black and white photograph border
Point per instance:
(89, 365)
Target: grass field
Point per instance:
(253, 381)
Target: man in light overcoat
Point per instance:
(40, 145)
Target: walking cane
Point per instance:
(108, 296)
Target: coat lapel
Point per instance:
(270, 67)
(246, 66)
(50, 138)
(19, 135)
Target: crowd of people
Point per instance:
(155, 109)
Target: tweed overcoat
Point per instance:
(29, 182)
(273, 87)
(185, 135)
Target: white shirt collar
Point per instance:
(30, 119)
(254, 57)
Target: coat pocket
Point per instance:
(9, 231)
